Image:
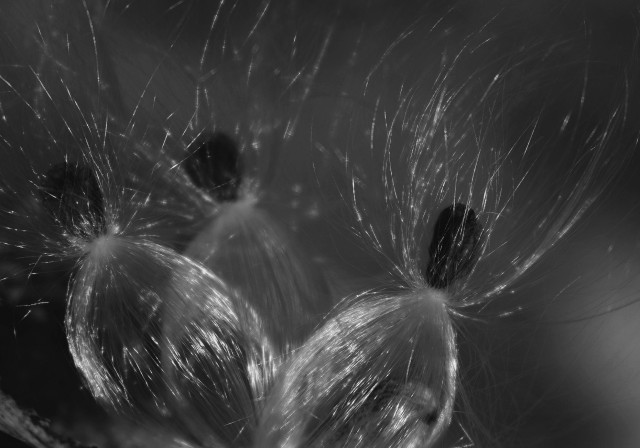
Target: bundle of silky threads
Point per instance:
(177, 176)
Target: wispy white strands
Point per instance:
(437, 136)
(382, 370)
(136, 310)
(284, 294)
(151, 145)
(235, 141)
(150, 330)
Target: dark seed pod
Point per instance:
(70, 192)
(214, 164)
(454, 247)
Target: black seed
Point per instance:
(455, 245)
(214, 164)
(70, 192)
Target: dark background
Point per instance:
(563, 372)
